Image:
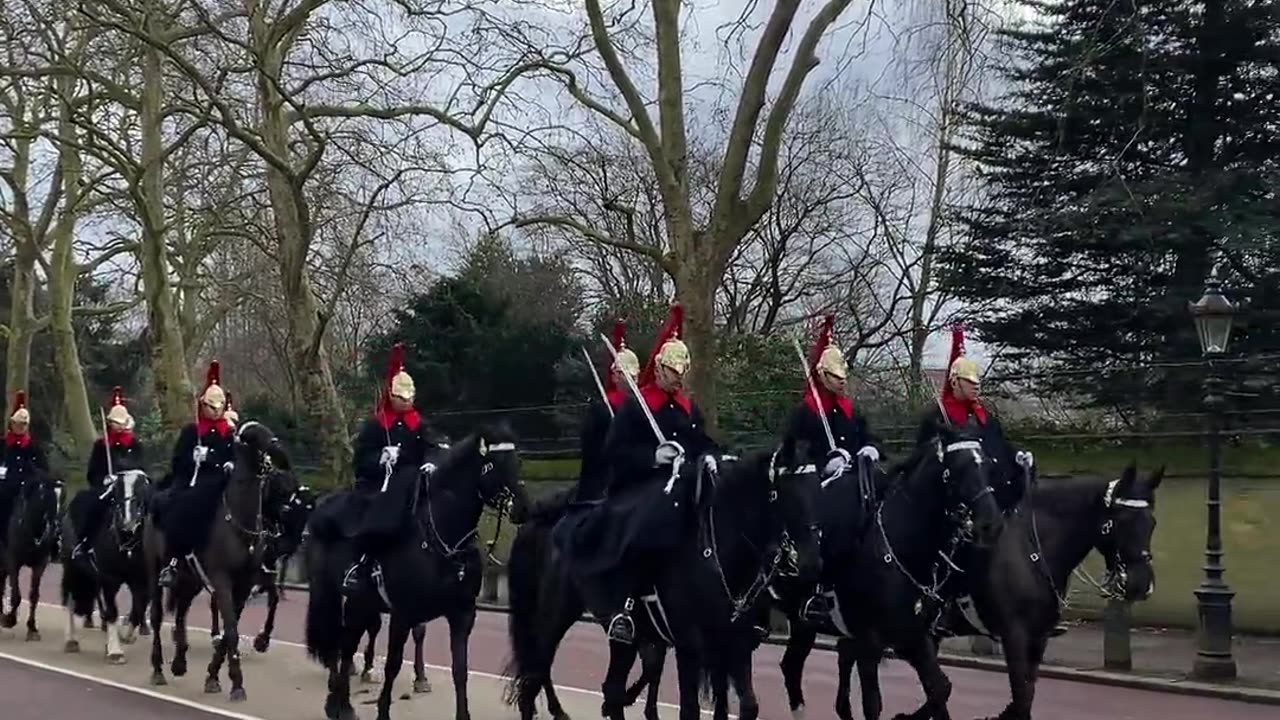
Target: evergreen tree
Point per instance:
(1136, 146)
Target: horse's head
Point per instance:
(966, 477)
(260, 453)
(131, 496)
(1124, 539)
(788, 507)
(41, 499)
(489, 459)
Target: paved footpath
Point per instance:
(284, 685)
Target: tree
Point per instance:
(700, 247)
(1135, 144)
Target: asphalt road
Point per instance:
(284, 685)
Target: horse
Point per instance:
(29, 542)
(745, 524)
(286, 512)
(432, 572)
(873, 563)
(1019, 586)
(230, 561)
(116, 559)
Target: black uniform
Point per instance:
(805, 442)
(20, 463)
(187, 512)
(124, 456)
(593, 472)
(1006, 476)
(383, 516)
(630, 444)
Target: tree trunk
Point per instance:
(168, 352)
(22, 321)
(696, 286)
(63, 271)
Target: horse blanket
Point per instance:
(185, 512)
(597, 539)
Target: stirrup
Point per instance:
(622, 629)
(351, 579)
(816, 608)
(168, 574)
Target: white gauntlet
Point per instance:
(390, 454)
(200, 454)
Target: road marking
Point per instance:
(153, 694)
(381, 658)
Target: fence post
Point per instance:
(490, 579)
(1117, 652)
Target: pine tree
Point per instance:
(1136, 145)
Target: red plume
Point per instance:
(822, 341)
(619, 342)
(19, 400)
(117, 396)
(673, 329)
(213, 376)
(395, 363)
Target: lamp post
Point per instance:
(1214, 314)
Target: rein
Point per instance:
(499, 502)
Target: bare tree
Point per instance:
(700, 247)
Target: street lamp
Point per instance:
(1214, 314)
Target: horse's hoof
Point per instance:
(157, 679)
(33, 635)
(422, 686)
(797, 713)
(179, 667)
(9, 621)
(117, 659)
(212, 686)
(214, 640)
(261, 643)
(88, 623)
(333, 711)
(237, 695)
(127, 634)
(71, 647)
(562, 715)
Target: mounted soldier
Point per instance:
(203, 458)
(615, 554)
(961, 402)
(117, 451)
(593, 472)
(24, 457)
(833, 445)
(396, 436)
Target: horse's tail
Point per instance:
(527, 562)
(324, 606)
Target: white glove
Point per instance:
(4, 471)
(667, 453)
(870, 453)
(428, 469)
(1025, 459)
(390, 454)
(227, 467)
(709, 465)
(837, 461)
(200, 454)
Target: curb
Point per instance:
(1173, 686)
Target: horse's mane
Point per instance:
(464, 449)
(1070, 495)
(742, 477)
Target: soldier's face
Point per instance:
(669, 379)
(400, 404)
(833, 383)
(210, 412)
(965, 389)
(116, 426)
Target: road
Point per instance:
(284, 685)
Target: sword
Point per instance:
(648, 415)
(813, 389)
(596, 376)
(106, 446)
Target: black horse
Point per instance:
(116, 560)
(433, 572)
(1019, 586)
(30, 541)
(742, 527)
(229, 561)
(886, 567)
(287, 509)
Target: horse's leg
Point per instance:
(186, 594)
(367, 674)
(337, 705)
(866, 655)
(460, 625)
(133, 623)
(72, 643)
(110, 616)
(622, 656)
(156, 597)
(1022, 656)
(922, 654)
(15, 592)
(420, 682)
(799, 645)
(397, 635)
(33, 597)
(230, 601)
(263, 640)
(652, 661)
(688, 671)
(740, 673)
(720, 693)
(215, 622)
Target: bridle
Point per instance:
(500, 501)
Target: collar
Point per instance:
(655, 397)
(204, 427)
(387, 418)
(615, 397)
(122, 438)
(13, 439)
(829, 400)
(958, 410)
